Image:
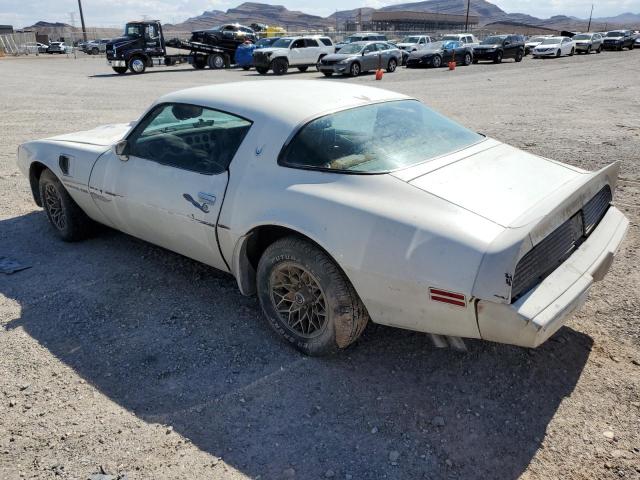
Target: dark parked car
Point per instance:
(227, 36)
(358, 57)
(437, 53)
(498, 47)
(619, 39)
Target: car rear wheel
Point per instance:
(303, 69)
(280, 66)
(95, 51)
(120, 70)
(498, 57)
(436, 61)
(246, 68)
(467, 59)
(307, 299)
(137, 65)
(65, 216)
(519, 56)
(216, 61)
(392, 65)
(354, 70)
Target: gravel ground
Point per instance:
(120, 357)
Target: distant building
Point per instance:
(420, 21)
(4, 29)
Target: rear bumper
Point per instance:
(540, 313)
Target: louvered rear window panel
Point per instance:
(558, 246)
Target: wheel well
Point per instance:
(35, 171)
(254, 245)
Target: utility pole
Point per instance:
(466, 22)
(590, 17)
(84, 30)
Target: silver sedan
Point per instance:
(358, 57)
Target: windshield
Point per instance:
(492, 40)
(551, 41)
(353, 38)
(582, 36)
(282, 43)
(615, 34)
(265, 42)
(134, 30)
(376, 138)
(352, 48)
(410, 40)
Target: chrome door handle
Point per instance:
(207, 198)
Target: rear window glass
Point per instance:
(376, 139)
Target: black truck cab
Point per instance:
(136, 48)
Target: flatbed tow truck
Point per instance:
(143, 45)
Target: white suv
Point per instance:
(300, 52)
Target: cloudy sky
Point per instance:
(113, 13)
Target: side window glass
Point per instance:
(310, 42)
(189, 137)
(370, 48)
(298, 44)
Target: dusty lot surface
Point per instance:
(118, 355)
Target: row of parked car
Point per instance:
(370, 51)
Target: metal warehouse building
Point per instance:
(424, 21)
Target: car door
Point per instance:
(297, 52)
(168, 184)
(312, 52)
(508, 47)
(370, 59)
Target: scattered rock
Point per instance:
(374, 430)
(348, 476)
(329, 474)
(169, 430)
(437, 421)
(289, 473)
(608, 434)
(618, 454)
(635, 361)
(394, 456)
(12, 403)
(24, 386)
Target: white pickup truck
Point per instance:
(300, 52)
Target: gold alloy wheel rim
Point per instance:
(298, 299)
(54, 207)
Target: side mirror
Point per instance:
(122, 150)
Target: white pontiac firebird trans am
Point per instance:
(339, 203)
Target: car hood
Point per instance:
(548, 45)
(487, 47)
(105, 135)
(424, 53)
(339, 56)
(496, 181)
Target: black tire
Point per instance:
(572, 52)
(65, 216)
(303, 69)
(355, 69)
(498, 57)
(599, 50)
(519, 56)
(137, 65)
(631, 46)
(199, 62)
(327, 74)
(262, 70)
(120, 70)
(345, 316)
(436, 61)
(468, 59)
(392, 65)
(475, 61)
(246, 67)
(558, 53)
(588, 50)
(95, 51)
(280, 66)
(216, 61)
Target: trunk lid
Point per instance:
(500, 183)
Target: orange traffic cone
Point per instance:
(379, 74)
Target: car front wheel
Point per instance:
(355, 69)
(498, 58)
(280, 66)
(120, 70)
(519, 56)
(65, 216)
(307, 298)
(467, 59)
(436, 61)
